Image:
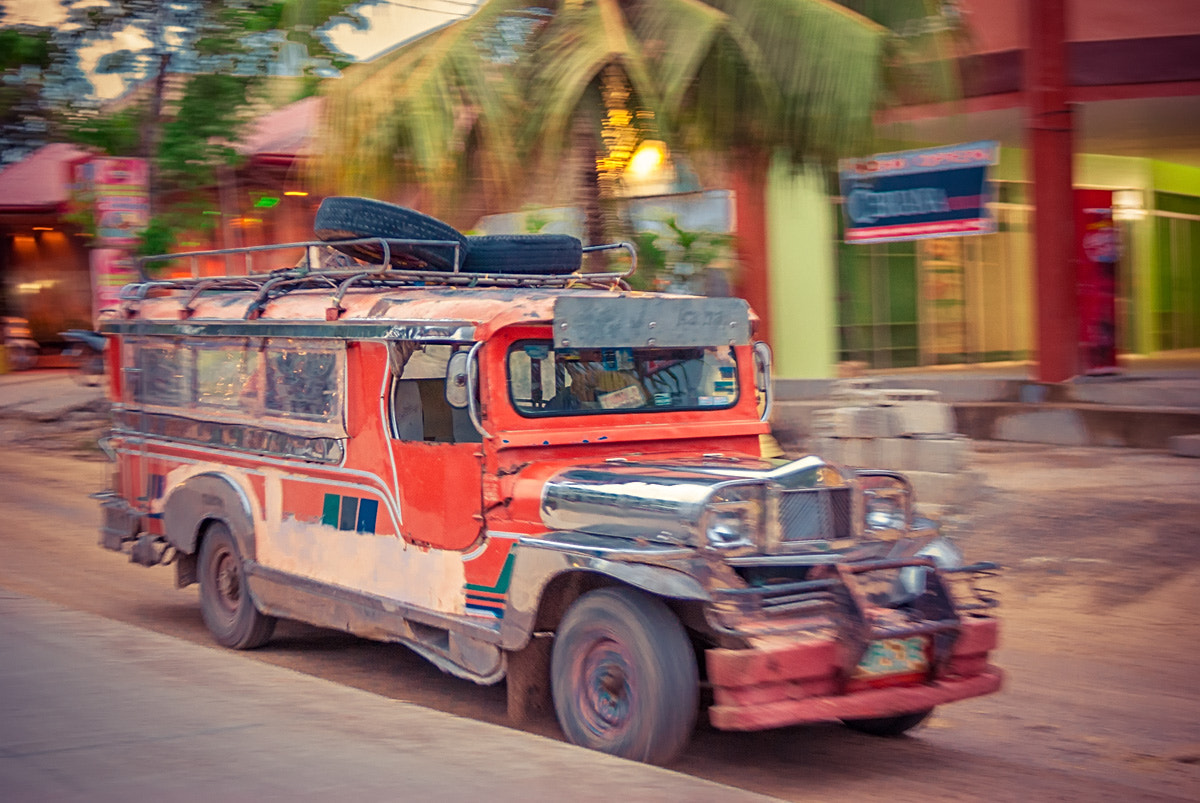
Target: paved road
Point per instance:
(1103, 556)
(95, 710)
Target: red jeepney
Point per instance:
(543, 478)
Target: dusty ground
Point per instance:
(1101, 549)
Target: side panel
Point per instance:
(347, 534)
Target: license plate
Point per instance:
(894, 656)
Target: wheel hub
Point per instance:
(606, 693)
(229, 582)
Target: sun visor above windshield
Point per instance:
(669, 322)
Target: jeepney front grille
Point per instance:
(819, 514)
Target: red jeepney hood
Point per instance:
(647, 496)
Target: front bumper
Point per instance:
(781, 682)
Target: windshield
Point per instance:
(543, 380)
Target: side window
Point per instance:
(300, 380)
(419, 408)
(275, 378)
(227, 374)
(164, 373)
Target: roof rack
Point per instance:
(340, 264)
(342, 271)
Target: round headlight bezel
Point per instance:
(735, 516)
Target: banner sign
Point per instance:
(1097, 252)
(119, 194)
(112, 269)
(911, 195)
(115, 191)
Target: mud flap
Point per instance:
(528, 681)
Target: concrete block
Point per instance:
(889, 454)
(855, 390)
(840, 421)
(1184, 445)
(937, 488)
(826, 448)
(823, 423)
(923, 418)
(855, 451)
(868, 422)
(910, 394)
(942, 455)
(854, 383)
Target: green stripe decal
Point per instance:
(501, 586)
(330, 513)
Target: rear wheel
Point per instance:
(623, 676)
(889, 726)
(224, 599)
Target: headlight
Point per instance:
(884, 513)
(887, 500)
(734, 517)
(944, 555)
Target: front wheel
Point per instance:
(623, 676)
(224, 599)
(889, 726)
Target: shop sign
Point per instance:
(117, 191)
(112, 269)
(910, 195)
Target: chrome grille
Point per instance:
(818, 514)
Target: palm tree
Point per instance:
(474, 115)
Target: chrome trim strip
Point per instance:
(472, 400)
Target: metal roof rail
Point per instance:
(386, 272)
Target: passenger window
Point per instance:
(281, 379)
(419, 408)
(227, 374)
(301, 381)
(165, 375)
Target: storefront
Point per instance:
(971, 299)
(43, 258)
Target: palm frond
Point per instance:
(826, 63)
(411, 115)
(572, 51)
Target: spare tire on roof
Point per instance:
(539, 254)
(348, 218)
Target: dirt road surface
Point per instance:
(1101, 594)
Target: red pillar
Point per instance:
(749, 178)
(1049, 136)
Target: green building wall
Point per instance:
(803, 270)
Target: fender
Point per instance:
(203, 497)
(643, 567)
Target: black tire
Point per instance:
(224, 599)
(889, 726)
(529, 254)
(623, 676)
(346, 218)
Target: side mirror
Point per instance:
(762, 378)
(762, 367)
(456, 380)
